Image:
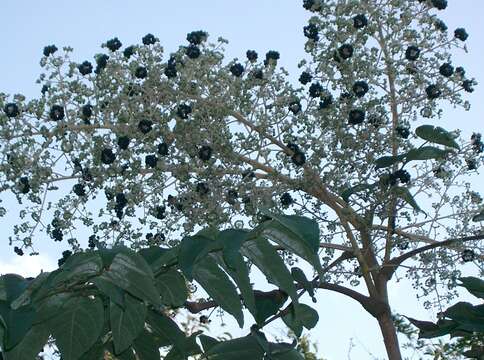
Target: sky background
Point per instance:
(27, 26)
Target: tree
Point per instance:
(193, 141)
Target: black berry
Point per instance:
(205, 153)
(163, 149)
(11, 110)
(56, 113)
(192, 51)
(433, 92)
(123, 142)
(326, 102)
(151, 161)
(159, 212)
(471, 164)
(468, 255)
(311, 32)
(403, 132)
(286, 199)
(145, 126)
(18, 251)
(65, 255)
(107, 156)
(114, 44)
(57, 234)
(298, 158)
(356, 116)
(183, 110)
(345, 51)
(251, 55)
(197, 37)
(231, 196)
(129, 51)
(439, 4)
(237, 70)
(467, 85)
(49, 50)
(315, 90)
(79, 190)
(295, 107)
(121, 200)
(86, 111)
(446, 69)
(360, 21)
(149, 39)
(412, 53)
(85, 68)
(271, 57)
(24, 185)
(257, 74)
(461, 34)
(360, 88)
(460, 71)
(305, 78)
(402, 175)
(101, 62)
(141, 72)
(440, 25)
(92, 241)
(202, 188)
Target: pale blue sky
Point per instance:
(27, 26)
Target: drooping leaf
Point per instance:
(172, 287)
(25, 298)
(268, 304)
(261, 253)
(30, 345)
(145, 347)
(430, 330)
(11, 287)
(238, 349)
(78, 327)
(207, 342)
(426, 153)
(405, 195)
(130, 272)
(472, 317)
(479, 217)
(17, 323)
(190, 348)
(152, 254)
(474, 285)
(96, 352)
(167, 259)
(192, 249)
(386, 161)
(166, 330)
(51, 307)
(436, 135)
(306, 317)
(217, 284)
(109, 289)
(299, 276)
(291, 354)
(345, 195)
(127, 323)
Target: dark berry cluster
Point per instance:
(305, 78)
(252, 55)
(356, 116)
(65, 255)
(92, 241)
(248, 175)
(326, 102)
(11, 110)
(468, 255)
(141, 72)
(197, 37)
(123, 142)
(295, 107)
(159, 212)
(79, 190)
(107, 156)
(85, 68)
(121, 203)
(433, 92)
(403, 132)
(360, 88)
(18, 251)
(205, 153)
(202, 188)
(440, 4)
(231, 196)
(101, 62)
(440, 25)
(461, 34)
(401, 175)
(86, 112)
(192, 51)
(45, 89)
(149, 39)
(312, 5)
(446, 70)
(360, 21)
(471, 164)
(271, 57)
(151, 161)
(145, 126)
(467, 85)
(163, 149)
(460, 71)
(24, 185)
(129, 51)
(183, 110)
(298, 157)
(412, 53)
(237, 69)
(311, 31)
(345, 51)
(49, 50)
(286, 199)
(56, 113)
(257, 74)
(170, 70)
(315, 90)
(114, 44)
(476, 143)
(56, 234)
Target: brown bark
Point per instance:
(389, 336)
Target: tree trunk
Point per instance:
(389, 336)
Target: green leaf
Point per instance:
(31, 344)
(190, 348)
(474, 285)
(172, 287)
(130, 272)
(25, 298)
(467, 314)
(436, 135)
(78, 326)
(479, 217)
(386, 161)
(51, 307)
(126, 323)
(217, 284)
(238, 349)
(430, 330)
(192, 249)
(17, 323)
(405, 195)
(208, 342)
(345, 195)
(306, 317)
(426, 153)
(11, 287)
(114, 293)
(168, 258)
(235, 265)
(268, 304)
(295, 233)
(261, 253)
(152, 254)
(166, 330)
(299, 276)
(145, 347)
(78, 266)
(291, 354)
(96, 352)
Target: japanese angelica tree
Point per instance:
(151, 145)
